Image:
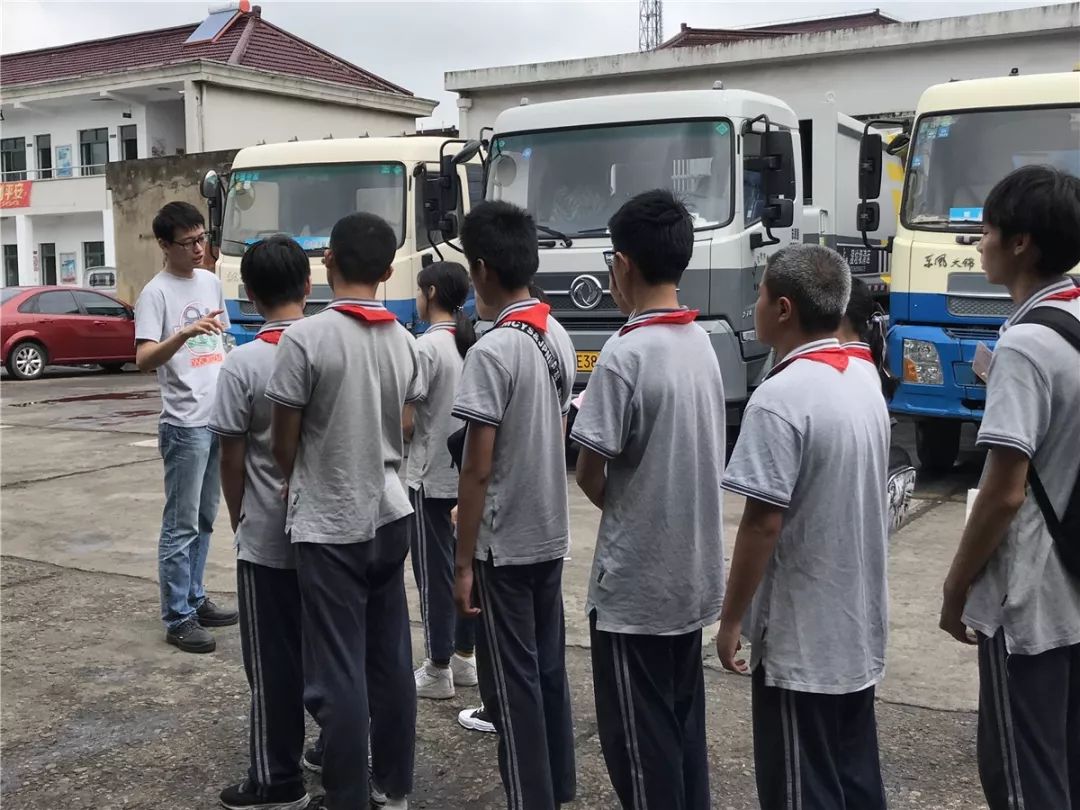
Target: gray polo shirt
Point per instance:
(241, 409)
(815, 441)
(440, 370)
(166, 305)
(654, 407)
(1032, 397)
(505, 383)
(351, 379)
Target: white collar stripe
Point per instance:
(1033, 301)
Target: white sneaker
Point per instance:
(464, 669)
(476, 720)
(434, 683)
(381, 800)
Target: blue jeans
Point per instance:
(192, 493)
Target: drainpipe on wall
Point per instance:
(193, 117)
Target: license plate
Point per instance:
(586, 361)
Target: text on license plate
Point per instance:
(586, 361)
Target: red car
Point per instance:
(63, 326)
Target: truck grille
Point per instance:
(966, 307)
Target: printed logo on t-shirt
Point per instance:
(204, 349)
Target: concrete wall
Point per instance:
(864, 82)
(233, 119)
(139, 189)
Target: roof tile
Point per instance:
(267, 48)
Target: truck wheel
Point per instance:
(937, 441)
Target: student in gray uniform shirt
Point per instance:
(432, 480)
(658, 572)
(1007, 581)
(513, 512)
(340, 382)
(277, 277)
(809, 558)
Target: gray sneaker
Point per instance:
(191, 637)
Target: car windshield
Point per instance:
(957, 158)
(305, 202)
(573, 180)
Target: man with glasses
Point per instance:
(179, 323)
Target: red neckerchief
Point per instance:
(270, 335)
(364, 314)
(535, 316)
(680, 316)
(1064, 295)
(835, 356)
(858, 352)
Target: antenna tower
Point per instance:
(650, 24)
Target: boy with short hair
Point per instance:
(658, 572)
(1010, 580)
(277, 278)
(513, 512)
(339, 384)
(179, 321)
(810, 555)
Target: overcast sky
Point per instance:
(413, 43)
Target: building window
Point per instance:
(93, 150)
(47, 254)
(44, 157)
(13, 160)
(129, 143)
(93, 254)
(11, 265)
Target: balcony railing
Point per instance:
(53, 173)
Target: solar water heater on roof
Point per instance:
(212, 26)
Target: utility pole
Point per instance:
(650, 24)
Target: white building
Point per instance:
(233, 81)
(869, 63)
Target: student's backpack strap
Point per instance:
(549, 356)
(455, 442)
(1066, 530)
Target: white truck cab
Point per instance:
(735, 158)
(302, 188)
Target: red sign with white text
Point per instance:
(15, 194)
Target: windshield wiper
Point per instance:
(244, 245)
(566, 240)
(601, 231)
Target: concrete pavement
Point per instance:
(98, 712)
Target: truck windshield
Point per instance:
(305, 202)
(573, 180)
(957, 158)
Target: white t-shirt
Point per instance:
(188, 380)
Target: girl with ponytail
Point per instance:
(433, 482)
(862, 332)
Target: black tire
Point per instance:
(937, 441)
(27, 360)
(113, 368)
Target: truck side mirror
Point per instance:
(470, 150)
(868, 217)
(213, 190)
(778, 213)
(870, 166)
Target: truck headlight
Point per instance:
(921, 363)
